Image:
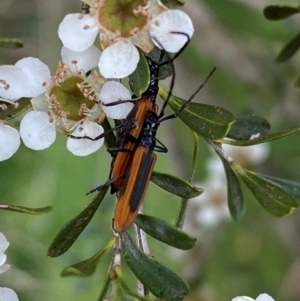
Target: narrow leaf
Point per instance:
(175, 185)
(172, 4)
(165, 232)
(291, 187)
(22, 209)
(69, 233)
(10, 43)
(88, 267)
(210, 122)
(106, 284)
(234, 192)
(160, 280)
(271, 197)
(12, 112)
(248, 126)
(289, 49)
(140, 78)
(276, 12)
(109, 139)
(260, 140)
(126, 292)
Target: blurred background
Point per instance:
(255, 254)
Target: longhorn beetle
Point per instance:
(137, 179)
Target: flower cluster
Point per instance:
(72, 99)
(6, 294)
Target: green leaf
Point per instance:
(13, 115)
(21, 209)
(110, 139)
(140, 78)
(172, 4)
(210, 122)
(271, 197)
(289, 49)
(165, 232)
(291, 187)
(276, 12)
(175, 185)
(260, 140)
(72, 229)
(234, 192)
(248, 125)
(88, 267)
(105, 285)
(159, 279)
(121, 290)
(10, 43)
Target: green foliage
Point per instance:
(271, 197)
(261, 139)
(140, 78)
(248, 125)
(289, 49)
(278, 196)
(276, 12)
(22, 209)
(88, 267)
(234, 193)
(160, 280)
(10, 43)
(13, 114)
(165, 232)
(69, 232)
(175, 185)
(173, 3)
(207, 121)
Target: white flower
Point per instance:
(72, 101)
(123, 24)
(9, 141)
(7, 294)
(29, 77)
(261, 297)
(3, 246)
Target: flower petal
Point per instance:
(171, 21)
(77, 32)
(4, 267)
(38, 75)
(85, 60)
(264, 297)
(3, 243)
(36, 131)
(7, 294)
(85, 147)
(13, 82)
(9, 143)
(40, 103)
(118, 60)
(2, 261)
(242, 298)
(114, 91)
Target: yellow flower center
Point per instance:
(68, 101)
(122, 17)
